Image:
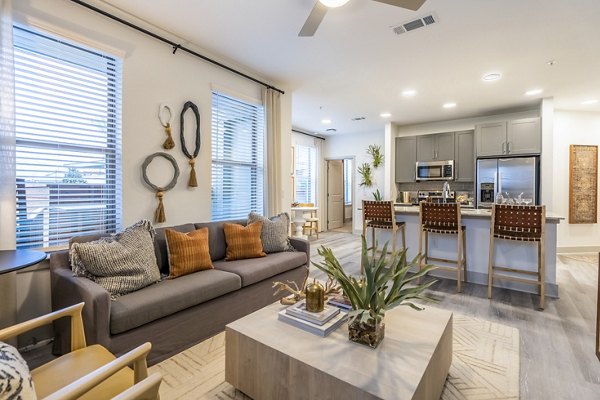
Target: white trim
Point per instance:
(215, 87)
(577, 249)
(45, 27)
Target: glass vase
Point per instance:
(369, 333)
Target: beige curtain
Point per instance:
(7, 130)
(272, 101)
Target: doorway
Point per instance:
(340, 194)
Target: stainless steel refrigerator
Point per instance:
(507, 175)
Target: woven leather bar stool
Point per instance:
(523, 224)
(381, 215)
(443, 219)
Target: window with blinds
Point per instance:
(305, 174)
(238, 137)
(348, 182)
(68, 136)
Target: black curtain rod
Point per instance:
(308, 134)
(175, 46)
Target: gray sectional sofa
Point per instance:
(174, 314)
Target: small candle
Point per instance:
(315, 297)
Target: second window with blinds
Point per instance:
(305, 173)
(238, 164)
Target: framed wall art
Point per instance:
(583, 184)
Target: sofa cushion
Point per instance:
(216, 237)
(257, 269)
(274, 235)
(160, 245)
(121, 263)
(168, 297)
(188, 252)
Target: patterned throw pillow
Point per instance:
(243, 241)
(274, 234)
(121, 263)
(15, 379)
(188, 252)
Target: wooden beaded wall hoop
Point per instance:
(169, 142)
(192, 157)
(159, 214)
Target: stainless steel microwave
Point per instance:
(435, 170)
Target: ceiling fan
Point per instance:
(321, 6)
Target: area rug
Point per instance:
(485, 365)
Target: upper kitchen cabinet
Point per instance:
(465, 156)
(435, 147)
(505, 138)
(406, 158)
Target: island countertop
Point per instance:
(551, 218)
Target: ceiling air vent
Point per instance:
(415, 24)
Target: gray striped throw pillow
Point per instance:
(274, 235)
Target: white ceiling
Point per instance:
(355, 66)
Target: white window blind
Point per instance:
(306, 174)
(68, 132)
(238, 137)
(347, 182)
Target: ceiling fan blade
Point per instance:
(413, 5)
(314, 20)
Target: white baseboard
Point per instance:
(578, 249)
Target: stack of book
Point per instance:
(339, 300)
(320, 323)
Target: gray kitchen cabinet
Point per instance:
(524, 136)
(464, 168)
(505, 138)
(406, 157)
(438, 147)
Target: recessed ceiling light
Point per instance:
(551, 63)
(332, 130)
(358, 118)
(494, 76)
(326, 121)
(385, 115)
(409, 93)
(589, 102)
(533, 92)
(449, 105)
(333, 3)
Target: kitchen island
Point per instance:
(521, 255)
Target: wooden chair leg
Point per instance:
(491, 267)
(394, 231)
(403, 236)
(542, 273)
(426, 255)
(373, 241)
(420, 253)
(317, 228)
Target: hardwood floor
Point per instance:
(558, 358)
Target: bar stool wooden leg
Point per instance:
(459, 261)
(542, 273)
(403, 236)
(491, 266)
(426, 255)
(420, 253)
(373, 241)
(394, 240)
(464, 244)
(317, 228)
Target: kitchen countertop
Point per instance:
(474, 213)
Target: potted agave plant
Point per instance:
(384, 286)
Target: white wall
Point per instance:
(355, 145)
(151, 75)
(572, 127)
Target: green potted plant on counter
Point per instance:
(384, 286)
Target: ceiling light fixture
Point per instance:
(326, 121)
(385, 115)
(409, 93)
(494, 76)
(533, 92)
(449, 105)
(589, 102)
(333, 3)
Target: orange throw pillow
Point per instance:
(243, 241)
(188, 252)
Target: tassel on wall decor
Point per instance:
(192, 182)
(159, 213)
(166, 123)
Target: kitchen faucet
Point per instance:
(446, 192)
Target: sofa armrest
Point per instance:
(67, 290)
(301, 245)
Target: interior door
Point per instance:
(335, 194)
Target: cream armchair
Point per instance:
(88, 372)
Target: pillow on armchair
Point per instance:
(15, 378)
(121, 263)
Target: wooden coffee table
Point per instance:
(269, 359)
